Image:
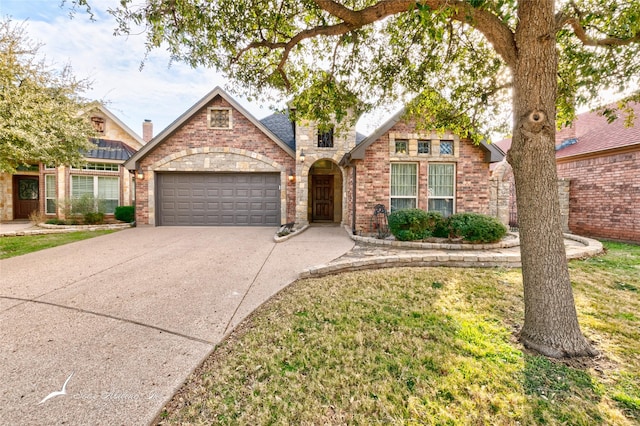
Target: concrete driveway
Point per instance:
(124, 318)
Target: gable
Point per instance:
(197, 122)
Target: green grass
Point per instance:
(422, 346)
(16, 246)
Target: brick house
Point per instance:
(218, 165)
(601, 163)
(48, 188)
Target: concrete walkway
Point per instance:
(123, 319)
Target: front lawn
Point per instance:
(423, 346)
(16, 246)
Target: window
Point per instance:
(446, 147)
(50, 194)
(424, 147)
(105, 189)
(402, 146)
(219, 118)
(441, 188)
(103, 167)
(404, 186)
(325, 139)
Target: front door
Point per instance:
(322, 191)
(26, 196)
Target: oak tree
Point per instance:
(41, 118)
(462, 60)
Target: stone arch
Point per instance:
(324, 195)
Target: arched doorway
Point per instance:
(325, 192)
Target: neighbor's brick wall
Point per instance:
(374, 178)
(195, 134)
(604, 196)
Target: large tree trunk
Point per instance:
(550, 324)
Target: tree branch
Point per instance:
(579, 30)
(496, 32)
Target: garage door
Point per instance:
(222, 199)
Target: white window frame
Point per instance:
(404, 197)
(96, 179)
(99, 167)
(49, 180)
(441, 197)
(230, 122)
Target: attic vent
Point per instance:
(219, 118)
(565, 143)
(98, 124)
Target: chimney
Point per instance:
(147, 130)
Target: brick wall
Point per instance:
(604, 198)
(373, 177)
(244, 139)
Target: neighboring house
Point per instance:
(218, 165)
(602, 163)
(48, 189)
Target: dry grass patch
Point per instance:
(421, 346)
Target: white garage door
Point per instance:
(218, 199)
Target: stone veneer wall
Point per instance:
(6, 197)
(307, 140)
(374, 175)
(195, 147)
(604, 197)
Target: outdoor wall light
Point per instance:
(292, 176)
(302, 155)
(139, 173)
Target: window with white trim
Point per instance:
(219, 118)
(101, 167)
(404, 186)
(441, 188)
(104, 189)
(50, 194)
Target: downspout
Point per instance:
(353, 205)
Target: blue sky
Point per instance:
(158, 92)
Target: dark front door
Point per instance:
(26, 195)
(322, 191)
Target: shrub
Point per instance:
(410, 224)
(125, 213)
(475, 228)
(93, 218)
(55, 222)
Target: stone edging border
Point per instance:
(44, 229)
(455, 259)
(511, 242)
(291, 235)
